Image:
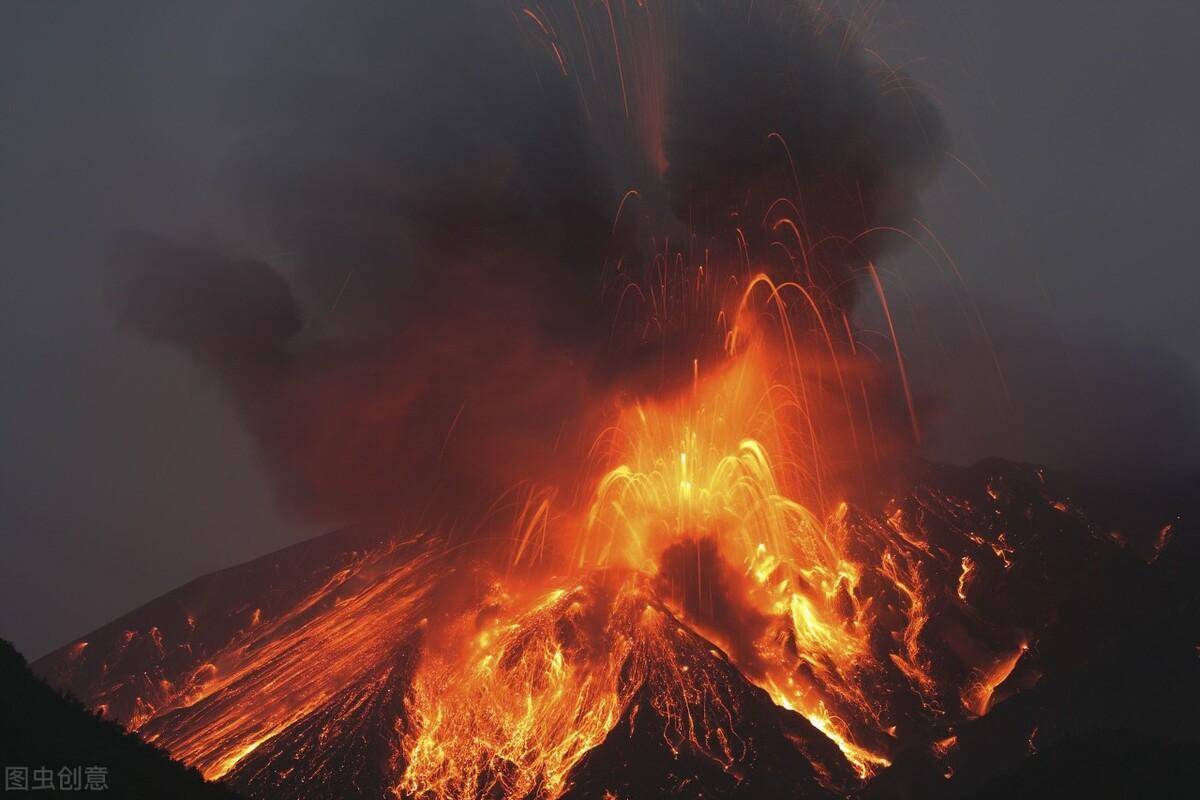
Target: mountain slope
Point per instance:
(42, 728)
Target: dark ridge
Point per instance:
(1104, 764)
(41, 728)
(1114, 713)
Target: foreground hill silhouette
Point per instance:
(42, 728)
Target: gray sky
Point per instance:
(124, 472)
(1079, 119)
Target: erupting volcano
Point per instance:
(610, 400)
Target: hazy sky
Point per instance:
(124, 472)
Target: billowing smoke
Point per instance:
(439, 184)
(779, 103)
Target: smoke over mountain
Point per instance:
(445, 186)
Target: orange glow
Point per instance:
(272, 674)
(964, 578)
(977, 697)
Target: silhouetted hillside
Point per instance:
(41, 728)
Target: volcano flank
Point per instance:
(301, 674)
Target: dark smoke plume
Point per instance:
(442, 181)
(857, 139)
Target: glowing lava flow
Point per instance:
(528, 697)
(694, 516)
(697, 475)
(276, 671)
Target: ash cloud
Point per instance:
(219, 309)
(859, 139)
(443, 196)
